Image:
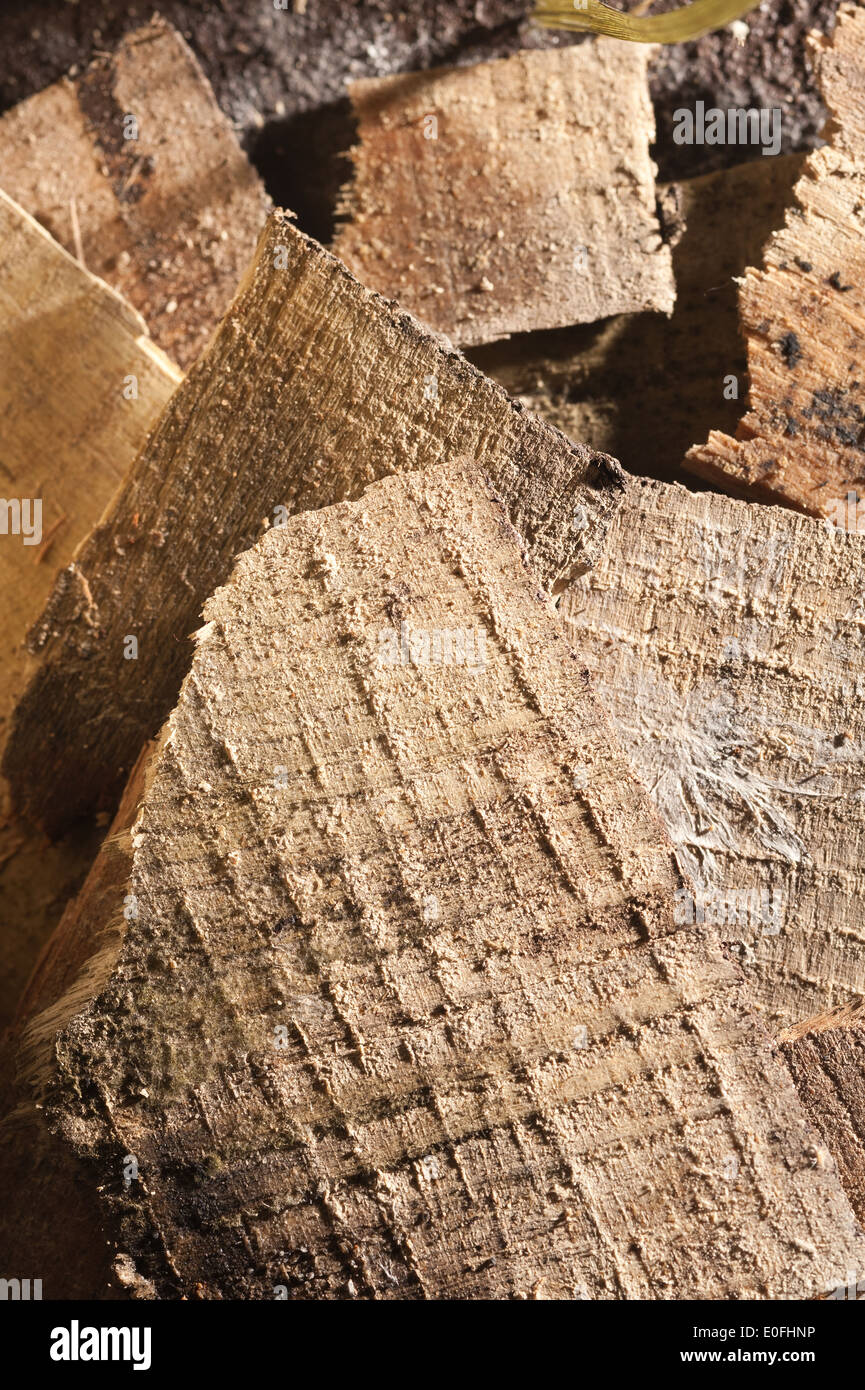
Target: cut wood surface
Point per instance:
(725, 639)
(80, 386)
(511, 195)
(826, 1058)
(803, 315)
(133, 166)
(312, 388)
(398, 1009)
(643, 387)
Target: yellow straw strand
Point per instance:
(690, 22)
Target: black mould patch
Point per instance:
(841, 420)
(835, 281)
(791, 349)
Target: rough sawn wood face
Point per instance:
(136, 153)
(725, 639)
(399, 962)
(67, 447)
(312, 388)
(528, 203)
(80, 386)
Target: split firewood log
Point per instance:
(375, 991)
(643, 387)
(312, 387)
(132, 166)
(80, 386)
(510, 195)
(801, 441)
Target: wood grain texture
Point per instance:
(644, 386)
(68, 345)
(398, 1010)
(312, 388)
(479, 229)
(171, 217)
(826, 1058)
(70, 348)
(802, 439)
(726, 641)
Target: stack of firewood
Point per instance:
(444, 846)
